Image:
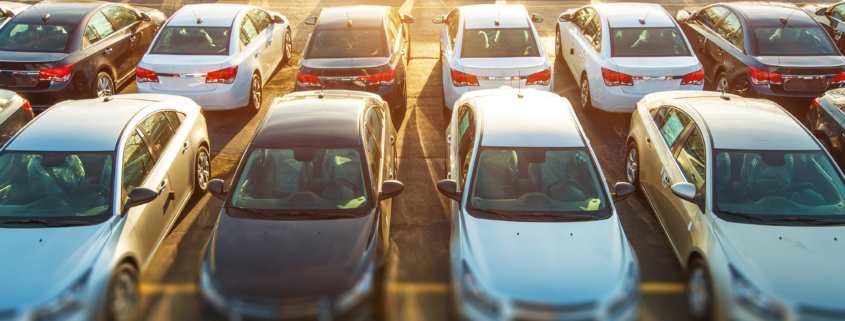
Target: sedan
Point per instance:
(535, 234)
(826, 120)
(15, 113)
(763, 49)
(71, 50)
(84, 204)
(489, 46)
(750, 201)
(200, 53)
(10, 9)
(619, 52)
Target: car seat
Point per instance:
(497, 176)
(341, 164)
(557, 167)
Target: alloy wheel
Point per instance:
(631, 166)
(585, 94)
(557, 43)
(105, 87)
(124, 296)
(698, 294)
(288, 46)
(203, 169)
(256, 92)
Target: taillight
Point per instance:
(839, 78)
(385, 78)
(57, 74)
(223, 76)
(761, 77)
(694, 78)
(460, 79)
(613, 78)
(25, 105)
(306, 80)
(637, 105)
(540, 78)
(815, 103)
(144, 75)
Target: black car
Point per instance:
(826, 120)
(830, 16)
(364, 48)
(763, 49)
(305, 227)
(60, 50)
(15, 112)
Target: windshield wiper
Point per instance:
(257, 214)
(501, 215)
(750, 218)
(48, 223)
(559, 216)
(808, 220)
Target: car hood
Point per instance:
(502, 67)
(802, 61)
(801, 264)
(340, 63)
(286, 258)
(40, 262)
(567, 261)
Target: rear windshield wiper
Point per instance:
(48, 223)
(750, 218)
(499, 214)
(809, 220)
(559, 216)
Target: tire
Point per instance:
(255, 93)
(699, 291)
(403, 101)
(722, 80)
(288, 48)
(586, 99)
(632, 165)
(123, 294)
(103, 85)
(202, 168)
(558, 44)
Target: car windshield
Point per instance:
(647, 42)
(483, 43)
(34, 37)
(192, 41)
(778, 184)
(276, 181)
(55, 186)
(793, 41)
(536, 184)
(346, 43)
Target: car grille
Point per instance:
(811, 313)
(585, 311)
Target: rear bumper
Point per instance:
(223, 97)
(613, 99)
(766, 92)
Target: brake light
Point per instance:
(815, 103)
(694, 78)
(306, 80)
(460, 79)
(144, 75)
(223, 76)
(613, 78)
(57, 74)
(761, 77)
(540, 78)
(25, 105)
(839, 78)
(385, 78)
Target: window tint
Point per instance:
(692, 159)
(466, 146)
(793, 41)
(710, 16)
(373, 157)
(34, 37)
(511, 42)
(454, 25)
(647, 42)
(671, 122)
(262, 18)
(392, 33)
(838, 12)
(463, 125)
(580, 18)
(90, 36)
(593, 33)
(101, 25)
(731, 30)
(347, 44)
(137, 162)
(193, 41)
(122, 16)
(374, 123)
(174, 120)
(248, 31)
(158, 130)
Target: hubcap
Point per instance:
(104, 87)
(632, 166)
(125, 296)
(585, 94)
(203, 169)
(697, 293)
(288, 45)
(256, 92)
(557, 42)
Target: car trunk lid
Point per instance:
(344, 73)
(183, 72)
(654, 74)
(498, 72)
(804, 73)
(21, 69)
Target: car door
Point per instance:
(691, 159)
(271, 53)
(727, 48)
(121, 56)
(251, 45)
(128, 24)
(101, 47)
(173, 149)
(463, 140)
(374, 131)
(700, 32)
(449, 31)
(578, 44)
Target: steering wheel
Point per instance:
(567, 181)
(96, 187)
(346, 182)
(798, 186)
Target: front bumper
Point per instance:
(451, 93)
(471, 311)
(224, 97)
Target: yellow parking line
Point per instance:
(403, 287)
(168, 288)
(661, 288)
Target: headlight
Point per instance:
(359, 291)
(749, 297)
(67, 301)
(474, 293)
(213, 297)
(630, 292)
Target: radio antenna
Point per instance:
(642, 21)
(322, 94)
(519, 85)
(43, 17)
(199, 20)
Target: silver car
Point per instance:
(750, 201)
(88, 190)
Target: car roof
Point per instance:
(628, 15)
(539, 119)
(14, 5)
(61, 12)
(212, 15)
(361, 16)
(482, 16)
(769, 13)
(303, 119)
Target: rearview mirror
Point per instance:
(215, 187)
(311, 21)
(623, 191)
(438, 19)
(278, 19)
(449, 187)
(564, 17)
(139, 196)
(687, 192)
(536, 17)
(145, 17)
(390, 189)
(820, 12)
(408, 18)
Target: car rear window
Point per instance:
(647, 42)
(483, 43)
(192, 41)
(793, 41)
(34, 37)
(344, 43)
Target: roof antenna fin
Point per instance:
(519, 86)
(348, 21)
(497, 19)
(199, 20)
(321, 94)
(783, 20)
(43, 17)
(642, 20)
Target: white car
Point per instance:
(10, 9)
(489, 46)
(752, 204)
(219, 55)
(535, 235)
(619, 52)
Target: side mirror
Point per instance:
(408, 18)
(215, 186)
(140, 196)
(564, 17)
(536, 17)
(820, 12)
(686, 191)
(278, 19)
(311, 21)
(449, 187)
(390, 189)
(145, 17)
(693, 14)
(623, 191)
(438, 19)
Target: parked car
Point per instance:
(826, 120)
(71, 50)
(317, 178)
(829, 15)
(489, 46)
(535, 234)
(220, 64)
(363, 48)
(9, 10)
(619, 52)
(747, 196)
(84, 204)
(763, 49)
(15, 112)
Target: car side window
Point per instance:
(838, 12)
(671, 123)
(122, 16)
(158, 130)
(710, 16)
(138, 162)
(731, 30)
(454, 24)
(466, 141)
(692, 159)
(262, 18)
(392, 33)
(373, 153)
(90, 36)
(248, 32)
(374, 123)
(101, 25)
(593, 32)
(175, 121)
(581, 17)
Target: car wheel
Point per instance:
(288, 48)
(203, 170)
(123, 294)
(632, 165)
(699, 291)
(404, 100)
(255, 94)
(586, 100)
(722, 83)
(104, 86)
(558, 47)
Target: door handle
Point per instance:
(257, 52)
(648, 141)
(271, 40)
(108, 51)
(720, 51)
(449, 175)
(392, 140)
(449, 140)
(403, 52)
(163, 186)
(185, 147)
(666, 181)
